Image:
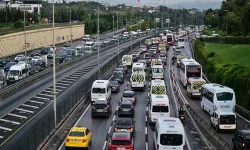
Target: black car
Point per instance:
(126, 108)
(135, 57)
(129, 95)
(101, 108)
(241, 140)
(40, 63)
(35, 53)
(3, 61)
(8, 65)
(115, 86)
(122, 68)
(45, 49)
(118, 76)
(67, 44)
(125, 125)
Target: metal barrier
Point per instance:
(197, 118)
(238, 109)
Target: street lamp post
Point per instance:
(131, 37)
(98, 40)
(140, 21)
(113, 25)
(226, 22)
(25, 38)
(70, 26)
(54, 63)
(118, 43)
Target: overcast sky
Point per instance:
(200, 4)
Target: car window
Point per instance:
(121, 142)
(128, 94)
(98, 90)
(126, 122)
(125, 105)
(171, 139)
(76, 133)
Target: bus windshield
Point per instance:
(157, 70)
(171, 139)
(227, 119)
(193, 71)
(224, 96)
(180, 40)
(163, 109)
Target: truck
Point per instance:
(127, 60)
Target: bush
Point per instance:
(230, 74)
(228, 40)
(18, 24)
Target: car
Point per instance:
(46, 49)
(153, 50)
(121, 141)
(135, 57)
(115, 86)
(35, 53)
(67, 44)
(86, 37)
(101, 108)
(8, 65)
(129, 95)
(163, 58)
(36, 58)
(80, 46)
(144, 63)
(126, 108)
(241, 140)
(118, 76)
(78, 137)
(143, 48)
(39, 63)
(147, 57)
(4, 61)
(125, 125)
(50, 54)
(122, 68)
(19, 57)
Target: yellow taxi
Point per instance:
(78, 137)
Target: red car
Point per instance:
(171, 43)
(122, 141)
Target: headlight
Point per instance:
(94, 99)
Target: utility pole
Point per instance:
(25, 39)
(54, 63)
(70, 27)
(98, 40)
(131, 30)
(113, 25)
(140, 20)
(118, 43)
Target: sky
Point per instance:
(200, 4)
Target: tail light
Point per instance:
(243, 144)
(131, 129)
(67, 140)
(150, 116)
(84, 140)
(184, 147)
(116, 129)
(182, 115)
(218, 121)
(157, 146)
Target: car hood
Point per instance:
(123, 126)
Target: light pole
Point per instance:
(131, 35)
(118, 43)
(113, 25)
(98, 40)
(70, 26)
(25, 38)
(140, 19)
(54, 62)
(226, 21)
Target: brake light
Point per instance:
(150, 116)
(117, 129)
(131, 129)
(84, 140)
(67, 140)
(184, 147)
(182, 115)
(157, 146)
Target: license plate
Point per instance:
(99, 110)
(227, 126)
(123, 130)
(74, 141)
(120, 148)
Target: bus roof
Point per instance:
(168, 122)
(214, 87)
(189, 61)
(100, 83)
(138, 65)
(158, 82)
(163, 97)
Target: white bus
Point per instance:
(170, 37)
(217, 97)
(189, 68)
(158, 107)
(169, 134)
(181, 42)
(100, 90)
(18, 72)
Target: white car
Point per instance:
(86, 38)
(153, 50)
(144, 62)
(36, 58)
(80, 46)
(163, 58)
(19, 57)
(143, 48)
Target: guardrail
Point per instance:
(198, 119)
(13, 87)
(238, 109)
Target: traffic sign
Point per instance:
(167, 20)
(157, 19)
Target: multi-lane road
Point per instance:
(103, 128)
(195, 104)
(23, 107)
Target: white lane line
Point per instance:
(47, 94)
(9, 121)
(65, 81)
(104, 145)
(78, 73)
(15, 115)
(36, 102)
(146, 130)
(76, 76)
(30, 106)
(71, 77)
(62, 84)
(114, 117)
(146, 145)
(51, 88)
(243, 118)
(7, 129)
(147, 109)
(117, 108)
(57, 86)
(47, 90)
(68, 79)
(1, 137)
(24, 110)
(146, 118)
(109, 129)
(75, 125)
(41, 97)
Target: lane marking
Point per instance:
(15, 115)
(62, 84)
(146, 145)
(1, 137)
(7, 129)
(65, 81)
(51, 88)
(57, 86)
(146, 130)
(68, 79)
(36, 102)
(104, 145)
(117, 108)
(109, 129)
(71, 77)
(114, 118)
(46, 94)
(146, 118)
(48, 90)
(41, 97)
(24, 110)
(9, 121)
(30, 106)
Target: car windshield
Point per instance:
(157, 70)
(121, 142)
(171, 139)
(227, 119)
(143, 46)
(127, 94)
(117, 74)
(193, 71)
(100, 106)
(35, 57)
(99, 90)
(224, 96)
(124, 122)
(125, 105)
(76, 133)
(160, 109)
(13, 72)
(113, 82)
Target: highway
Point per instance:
(195, 104)
(103, 128)
(19, 109)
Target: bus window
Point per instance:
(171, 139)
(193, 71)
(224, 96)
(227, 119)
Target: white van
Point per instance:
(158, 107)
(157, 72)
(18, 72)
(169, 134)
(223, 120)
(100, 90)
(127, 60)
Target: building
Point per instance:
(31, 6)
